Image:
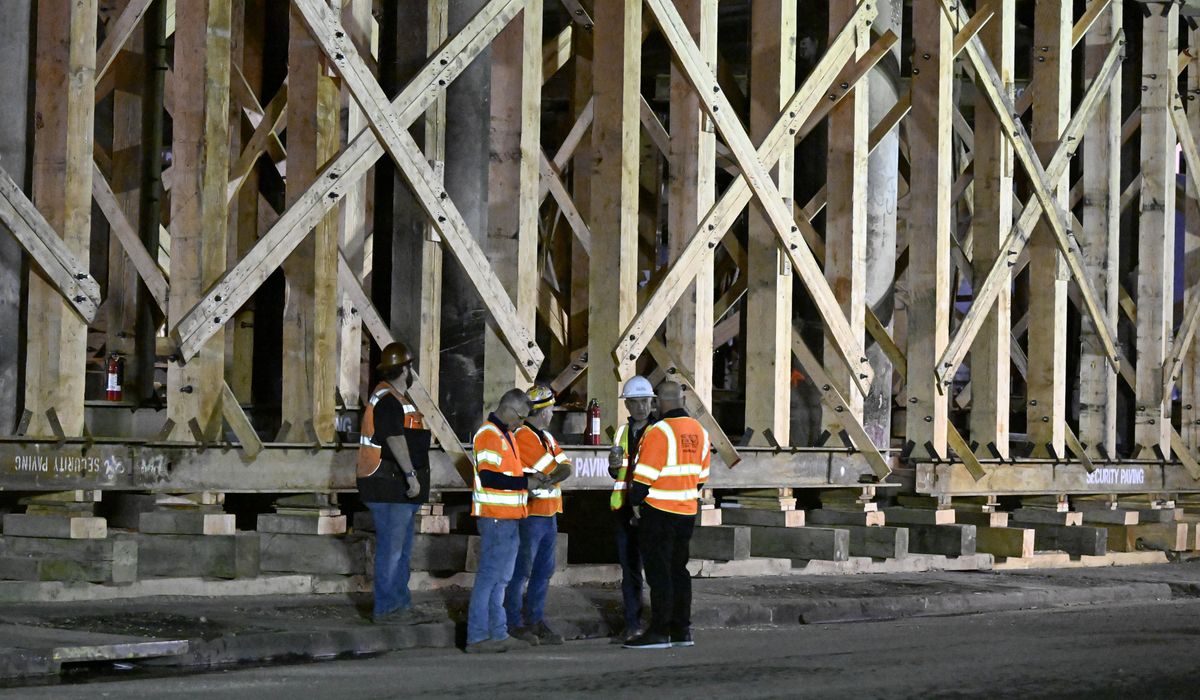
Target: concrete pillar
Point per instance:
(15, 37)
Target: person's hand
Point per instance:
(414, 485)
(637, 515)
(615, 455)
(561, 473)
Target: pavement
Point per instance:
(39, 641)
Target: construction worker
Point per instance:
(393, 479)
(499, 502)
(639, 401)
(672, 466)
(547, 466)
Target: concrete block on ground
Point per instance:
(202, 556)
(1076, 540)
(878, 542)
(1046, 516)
(919, 516)
(950, 540)
(762, 518)
(979, 518)
(1164, 537)
(111, 560)
(301, 524)
(830, 516)
(55, 526)
(721, 543)
(752, 566)
(441, 553)
(800, 543)
(316, 554)
(1104, 516)
(1005, 541)
(187, 521)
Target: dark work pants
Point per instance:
(665, 539)
(630, 555)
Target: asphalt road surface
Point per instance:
(1135, 651)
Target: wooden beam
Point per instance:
(691, 191)
(273, 122)
(1189, 381)
(1046, 380)
(1156, 229)
(1182, 342)
(56, 340)
(993, 217)
(513, 178)
(551, 177)
(237, 285)
(429, 360)
(556, 52)
(146, 267)
(117, 33)
(199, 205)
(1100, 236)
(233, 414)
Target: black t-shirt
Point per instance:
(387, 484)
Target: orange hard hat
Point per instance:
(394, 355)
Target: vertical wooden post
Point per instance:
(846, 215)
(1156, 227)
(199, 198)
(769, 278)
(612, 290)
(929, 220)
(513, 171)
(62, 190)
(356, 18)
(429, 354)
(309, 313)
(1101, 237)
(1189, 384)
(990, 363)
(581, 193)
(691, 193)
(1047, 374)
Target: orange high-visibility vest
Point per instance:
(673, 460)
(370, 453)
(541, 455)
(495, 450)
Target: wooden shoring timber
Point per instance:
(240, 282)
(1100, 236)
(1156, 230)
(847, 341)
(993, 217)
(437, 27)
(253, 112)
(1179, 347)
(556, 52)
(233, 414)
(640, 330)
(1014, 243)
(40, 241)
(116, 35)
(149, 271)
(567, 150)
(513, 178)
(1046, 378)
(1189, 371)
(417, 391)
(929, 227)
(551, 176)
(696, 405)
(846, 251)
(691, 191)
(273, 122)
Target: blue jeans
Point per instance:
(535, 564)
(630, 555)
(499, 540)
(393, 546)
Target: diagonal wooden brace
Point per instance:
(676, 371)
(43, 244)
(336, 179)
(846, 341)
(552, 176)
(721, 216)
(152, 276)
(1042, 204)
(1183, 339)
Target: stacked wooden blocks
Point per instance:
(59, 538)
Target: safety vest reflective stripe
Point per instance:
(546, 493)
(646, 472)
(489, 428)
(542, 464)
(681, 470)
(668, 495)
(672, 462)
(368, 441)
(619, 486)
(500, 498)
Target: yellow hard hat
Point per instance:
(540, 397)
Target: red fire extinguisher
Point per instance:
(592, 435)
(116, 372)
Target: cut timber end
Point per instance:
(919, 516)
(53, 526)
(301, 524)
(762, 518)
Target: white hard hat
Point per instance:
(638, 388)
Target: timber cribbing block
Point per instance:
(1076, 540)
(800, 543)
(438, 552)
(110, 560)
(878, 542)
(1110, 517)
(832, 516)
(301, 524)
(315, 554)
(979, 518)
(1158, 515)
(919, 516)
(1046, 516)
(187, 556)
(949, 540)
(55, 526)
(762, 518)
(723, 543)
(1005, 541)
(187, 521)
(1166, 537)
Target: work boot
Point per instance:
(649, 641)
(545, 635)
(487, 646)
(682, 639)
(511, 643)
(525, 634)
